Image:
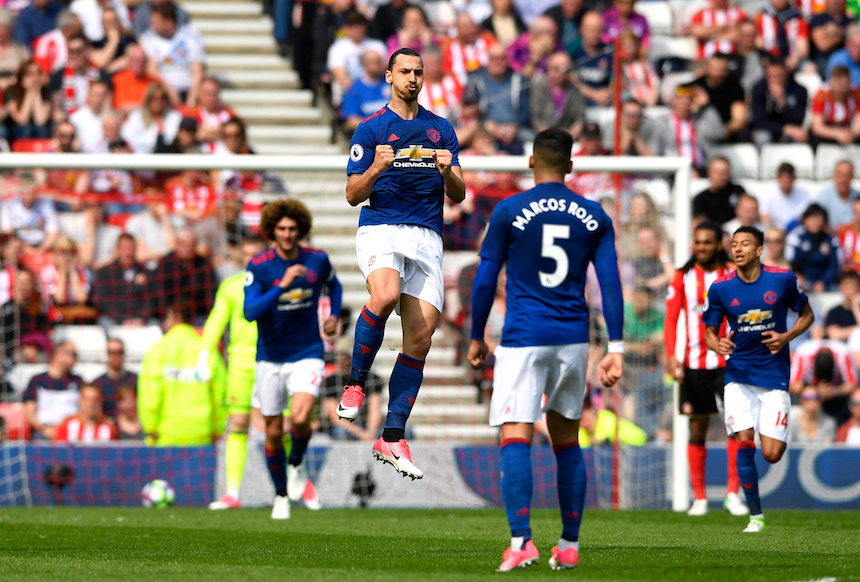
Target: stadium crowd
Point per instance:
(118, 248)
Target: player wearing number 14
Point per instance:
(755, 300)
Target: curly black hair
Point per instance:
(274, 212)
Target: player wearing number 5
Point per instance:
(547, 236)
(755, 300)
(404, 160)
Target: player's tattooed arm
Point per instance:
(455, 186)
(721, 345)
(359, 186)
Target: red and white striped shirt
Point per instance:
(768, 30)
(641, 80)
(803, 362)
(443, 98)
(684, 131)
(75, 430)
(713, 17)
(207, 120)
(836, 113)
(460, 60)
(810, 8)
(849, 242)
(688, 292)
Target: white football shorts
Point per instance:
(762, 409)
(522, 375)
(274, 383)
(413, 251)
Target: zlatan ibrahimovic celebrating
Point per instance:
(404, 159)
(755, 300)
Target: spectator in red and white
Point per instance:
(132, 83)
(38, 18)
(835, 110)
(183, 274)
(370, 92)
(849, 431)
(778, 104)
(88, 119)
(593, 61)
(11, 248)
(51, 49)
(31, 219)
(442, 93)
(682, 125)
(716, 28)
(120, 290)
(89, 426)
(782, 204)
(827, 365)
(639, 79)
(53, 395)
(529, 53)
(154, 124)
(175, 53)
(70, 84)
(143, 15)
(152, 229)
(29, 104)
(621, 16)
(849, 239)
(109, 52)
(116, 376)
(505, 23)
(65, 281)
(344, 56)
(12, 53)
(783, 33)
(468, 51)
(414, 31)
(190, 196)
(554, 101)
(827, 33)
(90, 13)
(211, 115)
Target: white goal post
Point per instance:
(679, 167)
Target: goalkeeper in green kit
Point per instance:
(241, 355)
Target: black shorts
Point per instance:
(700, 389)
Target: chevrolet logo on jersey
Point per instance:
(295, 295)
(414, 156)
(754, 316)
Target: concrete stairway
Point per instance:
(264, 90)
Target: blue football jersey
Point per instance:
(288, 330)
(411, 191)
(548, 236)
(751, 309)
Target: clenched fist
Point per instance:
(383, 157)
(443, 160)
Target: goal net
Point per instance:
(204, 206)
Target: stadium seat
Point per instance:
(798, 154)
(89, 371)
(752, 7)
(90, 341)
(683, 11)
(441, 15)
(670, 82)
(658, 14)
(657, 113)
(34, 145)
(137, 340)
(753, 187)
(658, 189)
(16, 425)
(602, 116)
(742, 157)
(810, 81)
(669, 46)
(22, 373)
(698, 185)
(823, 302)
(828, 154)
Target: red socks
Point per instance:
(696, 455)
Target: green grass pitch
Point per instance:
(404, 545)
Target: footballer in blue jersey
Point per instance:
(546, 237)
(282, 291)
(403, 159)
(755, 300)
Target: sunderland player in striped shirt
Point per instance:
(755, 300)
(282, 292)
(702, 374)
(403, 159)
(546, 237)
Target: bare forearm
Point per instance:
(712, 339)
(455, 186)
(359, 186)
(804, 321)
